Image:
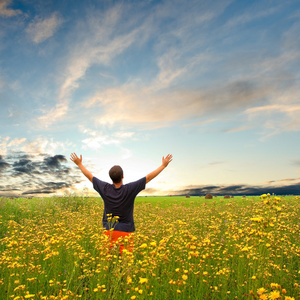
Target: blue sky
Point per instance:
(215, 83)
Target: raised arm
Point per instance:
(165, 161)
(78, 162)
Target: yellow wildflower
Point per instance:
(261, 291)
(274, 295)
(275, 286)
(184, 277)
(143, 280)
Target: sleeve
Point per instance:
(98, 185)
(138, 186)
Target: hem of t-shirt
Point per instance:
(120, 231)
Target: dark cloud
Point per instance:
(239, 190)
(3, 164)
(49, 187)
(23, 166)
(24, 174)
(54, 162)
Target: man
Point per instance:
(119, 198)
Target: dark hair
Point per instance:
(116, 174)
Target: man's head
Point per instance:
(116, 174)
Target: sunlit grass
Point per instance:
(185, 248)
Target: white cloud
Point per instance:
(123, 135)
(8, 12)
(16, 142)
(40, 30)
(54, 114)
(44, 145)
(3, 145)
(98, 142)
(277, 118)
(97, 139)
(8, 144)
(38, 145)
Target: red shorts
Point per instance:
(121, 238)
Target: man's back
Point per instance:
(119, 202)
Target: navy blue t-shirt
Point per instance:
(119, 202)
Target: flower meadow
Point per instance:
(184, 248)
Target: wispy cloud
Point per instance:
(103, 42)
(109, 36)
(133, 103)
(288, 117)
(252, 13)
(5, 11)
(39, 30)
(237, 129)
(282, 181)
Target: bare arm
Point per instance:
(78, 162)
(165, 161)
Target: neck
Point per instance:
(117, 185)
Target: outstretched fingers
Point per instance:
(170, 157)
(75, 158)
(166, 160)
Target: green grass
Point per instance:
(185, 248)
